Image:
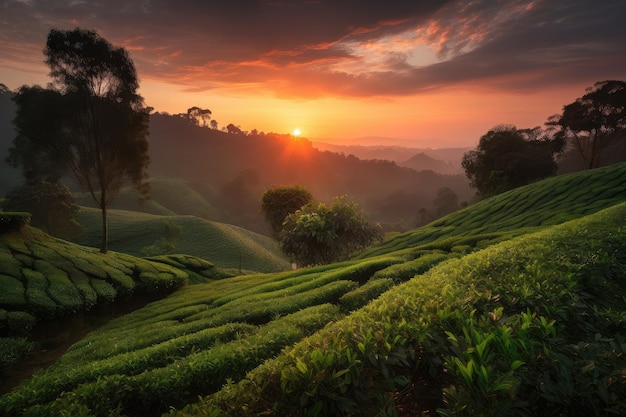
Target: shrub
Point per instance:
(20, 323)
(13, 221)
(359, 297)
(12, 350)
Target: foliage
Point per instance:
(166, 244)
(490, 319)
(12, 221)
(280, 201)
(507, 158)
(93, 126)
(594, 121)
(43, 277)
(193, 342)
(197, 116)
(51, 206)
(320, 234)
(531, 326)
(12, 350)
(522, 210)
(198, 269)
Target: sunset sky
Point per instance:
(435, 73)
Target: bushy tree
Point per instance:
(507, 158)
(93, 124)
(51, 205)
(197, 116)
(321, 234)
(280, 201)
(594, 121)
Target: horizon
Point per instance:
(428, 75)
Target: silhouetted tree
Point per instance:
(197, 116)
(280, 201)
(92, 125)
(321, 234)
(593, 121)
(51, 205)
(507, 158)
(231, 128)
(214, 124)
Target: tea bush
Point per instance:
(532, 326)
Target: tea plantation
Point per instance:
(515, 306)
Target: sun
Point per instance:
(296, 132)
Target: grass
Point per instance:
(463, 317)
(168, 196)
(226, 246)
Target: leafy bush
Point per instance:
(407, 270)
(19, 323)
(533, 326)
(12, 350)
(362, 295)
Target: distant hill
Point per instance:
(450, 157)
(139, 234)
(238, 168)
(421, 161)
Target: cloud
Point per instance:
(351, 48)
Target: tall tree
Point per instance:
(280, 201)
(95, 122)
(594, 121)
(507, 158)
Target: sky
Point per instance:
(426, 73)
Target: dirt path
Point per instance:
(53, 338)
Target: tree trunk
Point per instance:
(105, 231)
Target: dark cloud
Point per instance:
(320, 48)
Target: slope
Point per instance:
(43, 278)
(461, 330)
(548, 202)
(225, 245)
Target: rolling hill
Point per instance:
(139, 234)
(514, 306)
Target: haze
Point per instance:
(430, 74)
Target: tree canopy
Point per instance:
(51, 206)
(91, 124)
(593, 121)
(507, 158)
(321, 234)
(280, 201)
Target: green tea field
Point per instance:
(514, 306)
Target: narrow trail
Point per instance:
(53, 338)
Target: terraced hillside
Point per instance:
(521, 210)
(44, 278)
(458, 318)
